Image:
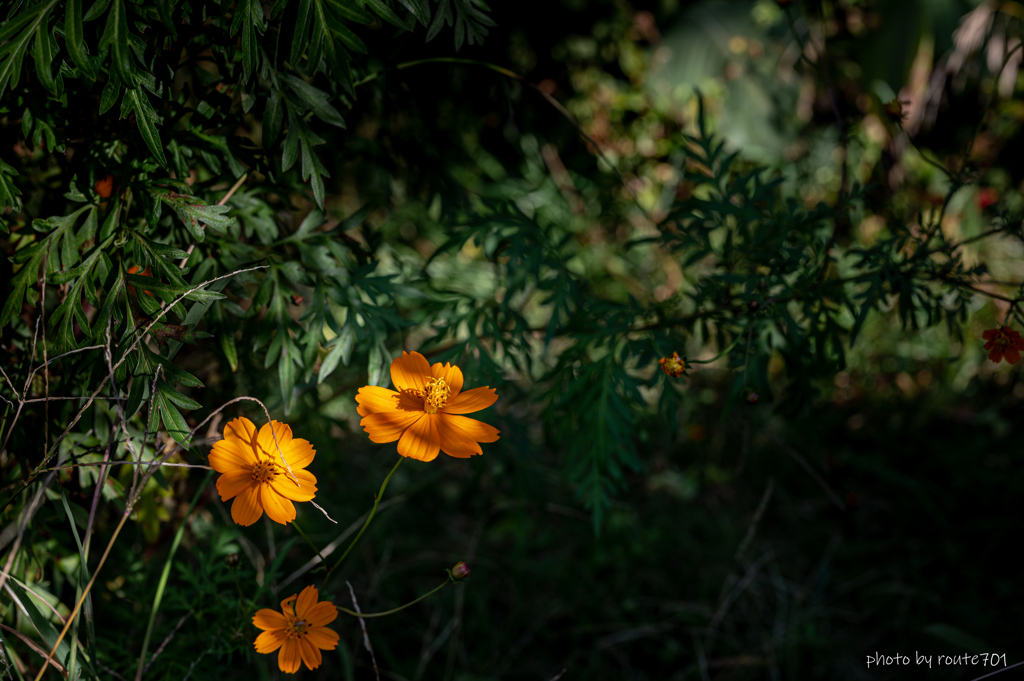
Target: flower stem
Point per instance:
(162, 584)
(401, 607)
(309, 541)
(368, 519)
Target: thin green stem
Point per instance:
(310, 542)
(401, 607)
(746, 357)
(721, 354)
(241, 597)
(164, 576)
(369, 518)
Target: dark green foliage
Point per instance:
(213, 208)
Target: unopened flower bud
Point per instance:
(894, 110)
(753, 305)
(460, 571)
(753, 397)
(231, 560)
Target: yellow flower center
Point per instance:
(298, 629)
(673, 366)
(264, 471)
(435, 395)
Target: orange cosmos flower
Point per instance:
(298, 630)
(673, 366)
(423, 414)
(1003, 342)
(252, 471)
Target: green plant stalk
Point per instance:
(310, 542)
(369, 518)
(401, 607)
(163, 577)
(88, 588)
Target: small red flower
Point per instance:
(105, 186)
(986, 197)
(1003, 342)
(673, 366)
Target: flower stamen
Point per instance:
(435, 395)
(264, 472)
(298, 629)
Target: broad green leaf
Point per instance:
(135, 396)
(385, 12)
(377, 366)
(8, 192)
(341, 352)
(165, 8)
(176, 397)
(227, 344)
(42, 623)
(111, 93)
(15, 36)
(273, 118)
(115, 36)
(44, 57)
(300, 139)
(96, 10)
(174, 424)
(192, 211)
(145, 118)
(317, 100)
(348, 9)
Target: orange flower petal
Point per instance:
(455, 442)
(286, 487)
(990, 334)
(388, 427)
(373, 399)
(471, 400)
(477, 430)
(288, 658)
(299, 453)
(229, 455)
(279, 509)
(246, 509)
(322, 637)
(266, 440)
(310, 654)
(288, 604)
(269, 641)
(409, 371)
(307, 599)
(267, 619)
(241, 429)
(322, 613)
(452, 375)
(232, 484)
(421, 440)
